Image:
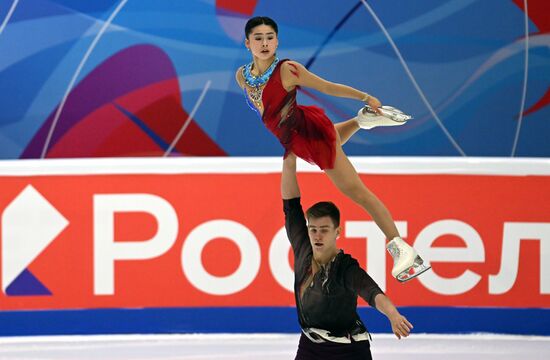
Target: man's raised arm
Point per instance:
(289, 182)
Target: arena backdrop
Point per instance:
(198, 244)
(153, 78)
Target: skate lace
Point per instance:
(395, 251)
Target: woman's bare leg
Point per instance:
(346, 129)
(346, 179)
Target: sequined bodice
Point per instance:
(304, 130)
(276, 103)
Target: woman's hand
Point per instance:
(401, 327)
(374, 103)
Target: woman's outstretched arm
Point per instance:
(295, 74)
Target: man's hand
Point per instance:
(289, 182)
(400, 326)
(290, 158)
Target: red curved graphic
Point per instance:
(129, 105)
(544, 101)
(233, 15)
(538, 11)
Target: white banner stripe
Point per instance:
(259, 165)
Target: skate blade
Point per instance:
(373, 121)
(395, 114)
(415, 270)
(388, 112)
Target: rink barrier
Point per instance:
(498, 206)
(437, 320)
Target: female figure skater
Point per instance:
(270, 87)
(327, 281)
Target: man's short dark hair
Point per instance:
(324, 208)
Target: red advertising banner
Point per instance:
(216, 238)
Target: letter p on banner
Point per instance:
(107, 251)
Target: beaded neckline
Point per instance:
(256, 82)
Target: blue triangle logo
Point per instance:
(26, 284)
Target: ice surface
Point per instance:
(267, 347)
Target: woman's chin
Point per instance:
(265, 56)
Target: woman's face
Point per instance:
(262, 42)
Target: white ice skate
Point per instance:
(367, 118)
(407, 264)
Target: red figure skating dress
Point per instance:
(304, 130)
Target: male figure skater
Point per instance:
(327, 281)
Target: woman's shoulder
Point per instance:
(289, 63)
(291, 68)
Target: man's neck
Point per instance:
(324, 259)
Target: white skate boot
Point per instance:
(367, 118)
(407, 264)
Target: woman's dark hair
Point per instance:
(259, 20)
(324, 208)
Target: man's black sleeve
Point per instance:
(296, 227)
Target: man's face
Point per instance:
(322, 235)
